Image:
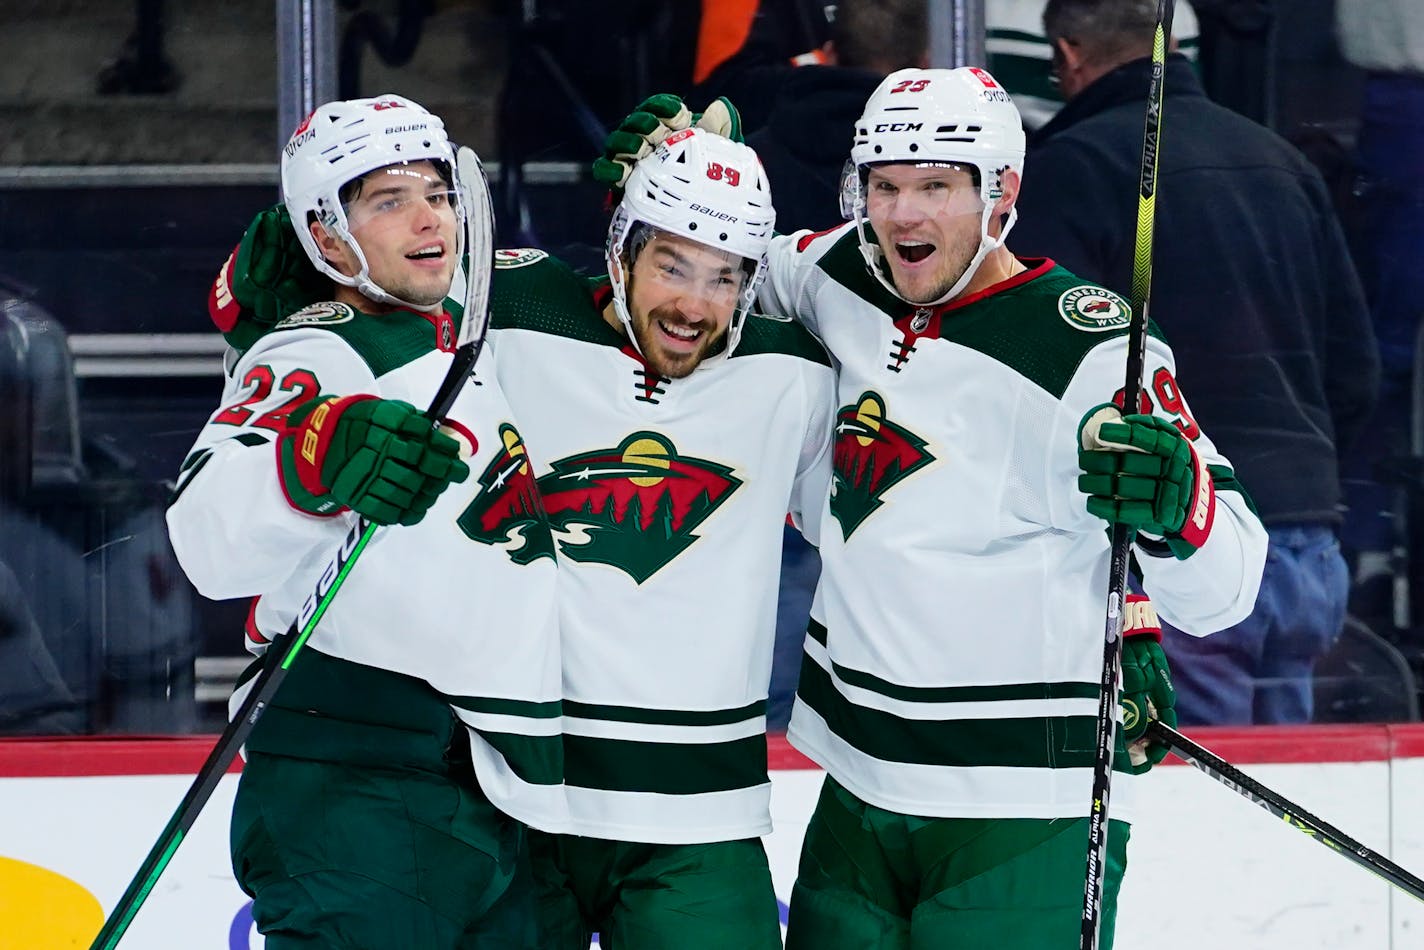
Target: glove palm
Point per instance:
(653, 120)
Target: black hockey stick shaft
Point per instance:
(1284, 809)
(1121, 535)
(479, 244)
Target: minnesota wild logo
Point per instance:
(507, 511)
(872, 454)
(633, 507)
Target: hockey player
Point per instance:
(949, 686)
(673, 431)
(384, 791)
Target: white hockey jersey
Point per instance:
(464, 600)
(667, 500)
(956, 642)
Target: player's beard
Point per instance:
(664, 362)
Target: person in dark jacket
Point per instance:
(1253, 285)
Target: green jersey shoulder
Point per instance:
(533, 290)
(386, 342)
(768, 334)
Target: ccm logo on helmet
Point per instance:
(719, 215)
(899, 126)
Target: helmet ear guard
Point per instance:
(705, 188)
(338, 144)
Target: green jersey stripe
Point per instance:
(1001, 692)
(665, 768)
(1047, 742)
(665, 717)
(538, 760)
(508, 707)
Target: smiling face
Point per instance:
(681, 297)
(927, 220)
(403, 219)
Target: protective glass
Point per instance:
(677, 266)
(927, 190)
(395, 191)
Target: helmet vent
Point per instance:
(947, 128)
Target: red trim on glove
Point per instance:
(461, 434)
(223, 307)
(312, 436)
(1202, 511)
(1140, 618)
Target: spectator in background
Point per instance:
(1386, 38)
(806, 138)
(1019, 54)
(1253, 284)
(781, 36)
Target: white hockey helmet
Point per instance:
(340, 142)
(703, 187)
(954, 116)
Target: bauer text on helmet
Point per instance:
(934, 170)
(687, 249)
(413, 212)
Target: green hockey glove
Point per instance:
(653, 120)
(1147, 692)
(266, 278)
(379, 457)
(1138, 470)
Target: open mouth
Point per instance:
(683, 335)
(912, 252)
(434, 253)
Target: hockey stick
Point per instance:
(1121, 535)
(474, 322)
(1293, 815)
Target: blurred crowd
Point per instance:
(1286, 276)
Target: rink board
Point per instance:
(1207, 869)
